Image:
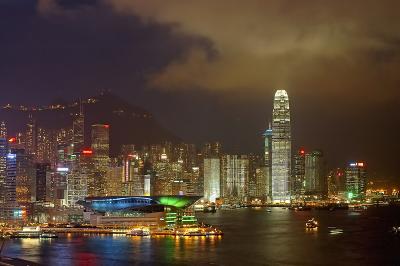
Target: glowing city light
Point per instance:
(87, 152)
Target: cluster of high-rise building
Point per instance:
(302, 176)
(46, 172)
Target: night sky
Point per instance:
(208, 69)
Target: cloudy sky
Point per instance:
(208, 69)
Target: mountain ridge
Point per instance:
(129, 124)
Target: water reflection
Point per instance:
(252, 237)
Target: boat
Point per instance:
(311, 224)
(211, 209)
(303, 208)
(138, 232)
(335, 231)
(194, 233)
(214, 233)
(33, 232)
(269, 210)
(396, 230)
(48, 235)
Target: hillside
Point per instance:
(128, 124)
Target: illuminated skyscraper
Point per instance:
(194, 182)
(101, 159)
(8, 199)
(147, 185)
(212, 150)
(31, 137)
(114, 180)
(57, 187)
(211, 179)
(298, 183)
(86, 168)
(281, 148)
(25, 176)
(336, 184)
(101, 141)
(166, 173)
(266, 169)
(356, 176)
(234, 178)
(10, 189)
(46, 146)
(254, 182)
(314, 175)
(133, 174)
(3, 130)
(3, 176)
(78, 130)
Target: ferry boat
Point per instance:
(138, 232)
(32, 232)
(195, 233)
(396, 230)
(302, 208)
(311, 224)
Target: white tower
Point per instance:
(281, 148)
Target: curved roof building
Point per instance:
(126, 203)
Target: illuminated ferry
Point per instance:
(311, 224)
(138, 232)
(32, 232)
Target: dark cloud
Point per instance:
(67, 49)
(270, 44)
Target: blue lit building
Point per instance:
(141, 210)
(141, 203)
(8, 166)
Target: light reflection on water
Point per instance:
(252, 237)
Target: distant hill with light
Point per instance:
(128, 124)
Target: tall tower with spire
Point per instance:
(79, 129)
(267, 169)
(31, 136)
(281, 148)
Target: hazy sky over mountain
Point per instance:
(208, 69)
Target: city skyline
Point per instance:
(78, 123)
(68, 170)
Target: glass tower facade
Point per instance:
(356, 176)
(234, 178)
(211, 179)
(281, 148)
(78, 127)
(267, 166)
(298, 182)
(315, 183)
